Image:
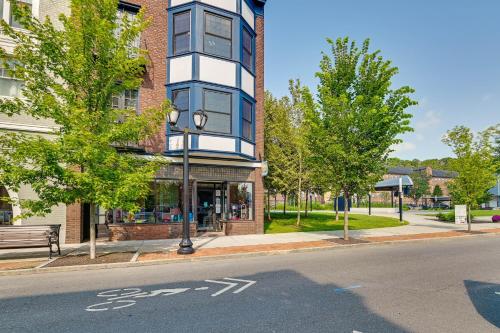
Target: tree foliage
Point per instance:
(361, 115)
(70, 76)
(475, 165)
(420, 186)
(437, 192)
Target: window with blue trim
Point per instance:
(218, 35)
(247, 118)
(217, 105)
(180, 99)
(182, 32)
(247, 43)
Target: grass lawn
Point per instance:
(323, 221)
(483, 212)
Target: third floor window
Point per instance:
(182, 32)
(218, 35)
(247, 59)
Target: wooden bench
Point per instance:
(23, 236)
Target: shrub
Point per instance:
(495, 218)
(449, 217)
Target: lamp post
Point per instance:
(400, 199)
(200, 118)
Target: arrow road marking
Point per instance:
(497, 292)
(249, 283)
(163, 292)
(229, 286)
(341, 290)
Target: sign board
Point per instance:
(460, 214)
(265, 168)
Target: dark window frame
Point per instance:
(205, 90)
(188, 104)
(230, 39)
(248, 121)
(174, 34)
(244, 49)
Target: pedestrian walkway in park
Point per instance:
(419, 227)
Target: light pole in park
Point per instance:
(400, 199)
(200, 118)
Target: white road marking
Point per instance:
(127, 304)
(249, 283)
(163, 292)
(229, 286)
(340, 290)
(202, 288)
(497, 292)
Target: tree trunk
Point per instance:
(336, 208)
(307, 202)
(299, 199)
(268, 206)
(284, 204)
(92, 231)
(469, 219)
(346, 216)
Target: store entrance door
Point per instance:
(210, 206)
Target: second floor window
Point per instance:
(218, 107)
(9, 85)
(247, 118)
(180, 99)
(182, 32)
(13, 22)
(218, 35)
(128, 99)
(247, 42)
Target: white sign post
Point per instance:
(460, 214)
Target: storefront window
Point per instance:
(240, 201)
(5, 207)
(163, 205)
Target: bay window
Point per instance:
(218, 107)
(182, 32)
(218, 35)
(247, 42)
(247, 119)
(180, 99)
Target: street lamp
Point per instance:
(400, 199)
(200, 118)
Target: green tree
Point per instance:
(361, 115)
(437, 192)
(475, 166)
(70, 76)
(420, 186)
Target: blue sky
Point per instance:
(448, 50)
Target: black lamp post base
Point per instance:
(185, 247)
(185, 250)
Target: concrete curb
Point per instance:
(42, 270)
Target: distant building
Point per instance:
(439, 178)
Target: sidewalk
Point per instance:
(420, 227)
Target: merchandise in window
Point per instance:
(218, 35)
(240, 201)
(180, 99)
(182, 32)
(247, 117)
(247, 59)
(217, 105)
(13, 22)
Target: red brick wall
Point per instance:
(74, 223)
(122, 232)
(241, 228)
(154, 40)
(259, 127)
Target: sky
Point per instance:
(447, 50)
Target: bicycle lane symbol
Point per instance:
(123, 298)
(117, 299)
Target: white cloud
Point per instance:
(419, 137)
(404, 147)
(431, 119)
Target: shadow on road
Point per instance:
(485, 299)
(279, 301)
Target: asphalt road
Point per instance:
(430, 286)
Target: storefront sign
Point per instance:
(460, 214)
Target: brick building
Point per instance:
(439, 178)
(205, 54)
